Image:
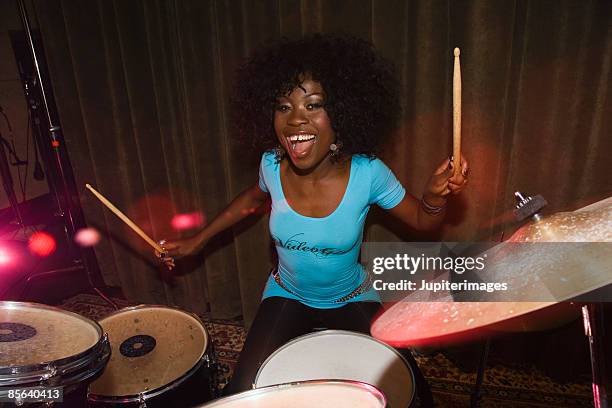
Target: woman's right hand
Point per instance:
(243, 205)
(179, 248)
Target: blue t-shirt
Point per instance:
(318, 257)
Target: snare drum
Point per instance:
(161, 356)
(342, 355)
(45, 346)
(307, 394)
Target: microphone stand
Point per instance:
(70, 212)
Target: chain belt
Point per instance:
(362, 288)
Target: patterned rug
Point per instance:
(503, 387)
(451, 387)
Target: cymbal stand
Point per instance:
(592, 314)
(526, 207)
(476, 394)
(593, 319)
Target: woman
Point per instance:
(319, 108)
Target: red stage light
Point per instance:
(187, 221)
(42, 244)
(5, 256)
(87, 237)
(14, 256)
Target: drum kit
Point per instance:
(146, 356)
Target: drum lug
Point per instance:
(51, 372)
(208, 362)
(19, 402)
(142, 401)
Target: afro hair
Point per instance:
(361, 90)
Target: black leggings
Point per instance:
(279, 320)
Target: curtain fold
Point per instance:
(142, 88)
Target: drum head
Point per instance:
(341, 355)
(152, 346)
(32, 334)
(337, 394)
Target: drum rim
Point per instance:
(336, 332)
(164, 388)
(262, 390)
(40, 370)
(154, 306)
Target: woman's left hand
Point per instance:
(443, 182)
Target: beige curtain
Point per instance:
(143, 86)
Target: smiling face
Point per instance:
(303, 127)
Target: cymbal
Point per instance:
(413, 323)
(592, 225)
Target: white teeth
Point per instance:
(300, 138)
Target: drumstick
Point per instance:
(457, 113)
(125, 219)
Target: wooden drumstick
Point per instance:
(457, 114)
(125, 219)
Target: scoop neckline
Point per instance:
(284, 198)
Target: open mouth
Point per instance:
(301, 145)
